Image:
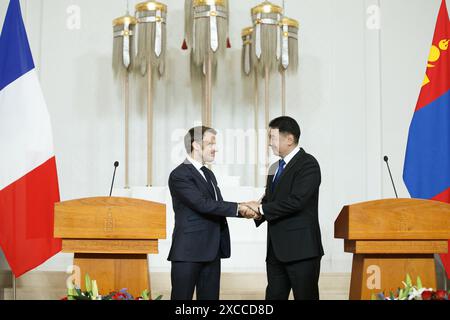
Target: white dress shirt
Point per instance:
(199, 167)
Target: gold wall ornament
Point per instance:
(206, 28)
(266, 19)
(206, 37)
(249, 70)
(266, 49)
(267, 7)
(151, 6)
(123, 46)
(152, 36)
(289, 44)
(274, 46)
(124, 29)
(151, 55)
(210, 2)
(247, 65)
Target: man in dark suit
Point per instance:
(290, 207)
(201, 236)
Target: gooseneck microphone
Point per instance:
(386, 159)
(116, 164)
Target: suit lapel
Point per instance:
(288, 167)
(199, 177)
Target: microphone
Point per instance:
(386, 159)
(116, 164)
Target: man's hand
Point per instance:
(247, 212)
(252, 210)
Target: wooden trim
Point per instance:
(110, 246)
(391, 247)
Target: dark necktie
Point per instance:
(209, 181)
(281, 165)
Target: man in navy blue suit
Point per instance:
(201, 236)
(290, 207)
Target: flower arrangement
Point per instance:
(92, 293)
(413, 292)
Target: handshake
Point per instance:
(250, 210)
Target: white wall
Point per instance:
(354, 97)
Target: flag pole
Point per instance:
(267, 111)
(256, 106)
(149, 127)
(209, 89)
(283, 92)
(127, 127)
(14, 287)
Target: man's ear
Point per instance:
(196, 146)
(290, 139)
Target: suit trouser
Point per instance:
(202, 276)
(300, 276)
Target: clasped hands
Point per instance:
(250, 210)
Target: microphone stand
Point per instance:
(386, 159)
(116, 164)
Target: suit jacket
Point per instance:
(291, 210)
(201, 231)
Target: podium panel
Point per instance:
(391, 238)
(111, 238)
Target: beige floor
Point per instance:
(234, 286)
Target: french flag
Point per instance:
(427, 162)
(28, 176)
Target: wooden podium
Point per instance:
(390, 238)
(111, 238)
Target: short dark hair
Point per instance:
(287, 125)
(196, 134)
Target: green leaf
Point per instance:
(159, 297)
(419, 283)
(94, 289)
(408, 280)
(391, 295)
(407, 290)
(88, 284)
(144, 295)
(72, 292)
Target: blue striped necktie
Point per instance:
(281, 165)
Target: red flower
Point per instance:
(426, 295)
(119, 296)
(440, 295)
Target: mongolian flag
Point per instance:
(427, 161)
